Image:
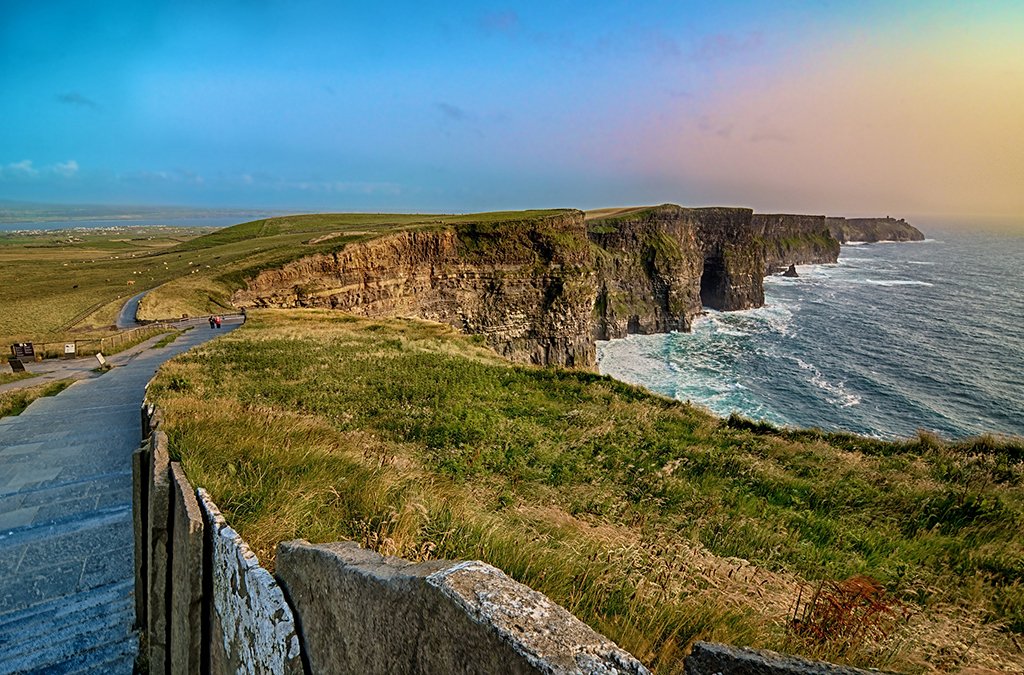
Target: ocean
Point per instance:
(98, 223)
(895, 338)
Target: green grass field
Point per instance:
(74, 282)
(652, 520)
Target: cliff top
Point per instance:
(650, 519)
(222, 260)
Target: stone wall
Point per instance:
(364, 613)
(203, 603)
(707, 658)
(208, 606)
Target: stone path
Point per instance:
(126, 318)
(66, 537)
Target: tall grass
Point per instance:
(652, 520)
(14, 402)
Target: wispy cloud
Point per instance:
(23, 169)
(452, 112)
(66, 169)
(26, 169)
(76, 99)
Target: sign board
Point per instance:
(69, 348)
(101, 359)
(23, 350)
(17, 366)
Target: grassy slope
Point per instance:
(650, 519)
(225, 258)
(55, 281)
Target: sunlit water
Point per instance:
(892, 339)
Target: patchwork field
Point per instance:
(650, 519)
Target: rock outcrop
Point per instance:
(795, 240)
(791, 272)
(873, 229)
(526, 285)
(656, 267)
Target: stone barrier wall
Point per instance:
(205, 605)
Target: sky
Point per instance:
(847, 108)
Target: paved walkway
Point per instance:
(81, 368)
(66, 536)
(126, 317)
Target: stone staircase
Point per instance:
(66, 537)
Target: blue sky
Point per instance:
(470, 106)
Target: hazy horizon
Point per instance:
(863, 109)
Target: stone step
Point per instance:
(121, 661)
(49, 639)
(99, 486)
(117, 658)
(44, 429)
(56, 610)
(63, 511)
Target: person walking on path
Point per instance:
(218, 320)
(213, 322)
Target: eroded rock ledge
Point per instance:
(540, 288)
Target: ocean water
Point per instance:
(97, 223)
(895, 338)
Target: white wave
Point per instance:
(892, 282)
(836, 394)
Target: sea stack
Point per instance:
(791, 272)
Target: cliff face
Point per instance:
(733, 273)
(873, 229)
(541, 287)
(656, 267)
(795, 240)
(647, 268)
(525, 285)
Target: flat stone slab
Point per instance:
(252, 629)
(362, 612)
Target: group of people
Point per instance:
(215, 321)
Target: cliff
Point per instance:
(795, 240)
(655, 267)
(873, 229)
(540, 287)
(524, 284)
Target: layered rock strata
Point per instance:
(873, 229)
(540, 288)
(795, 240)
(525, 285)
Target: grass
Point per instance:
(653, 521)
(15, 402)
(7, 378)
(72, 283)
(168, 339)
